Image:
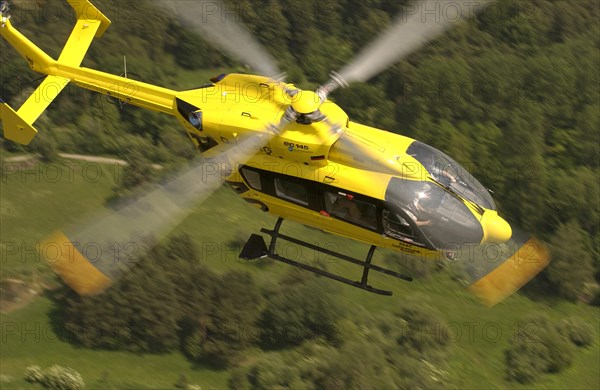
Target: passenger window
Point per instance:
(252, 177)
(340, 205)
(292, 191)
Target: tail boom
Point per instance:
(36, 58)
(130, 91)
(17, 125)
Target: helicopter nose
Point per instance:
(495, 228)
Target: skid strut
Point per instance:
(256, 248)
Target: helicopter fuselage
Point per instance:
(334, 174)
(302, 160)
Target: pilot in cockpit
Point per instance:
(420, 209)
(439, 174)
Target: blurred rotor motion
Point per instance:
(92, 256)
(493, 272)
(422, 22)
(218, 25)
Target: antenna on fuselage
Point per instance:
(136, 77)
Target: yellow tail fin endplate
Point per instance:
(15, 128)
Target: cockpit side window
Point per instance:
(396, 226)
(438, 216)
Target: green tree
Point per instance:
(367, 104)
(537, 348)
(299, 312)
(137, 173)
(525, 189)
(569, 198)
(571, 270)
(46, 147)
(139, 313)
(369, 357)
(577, 331)
(420, 327)
(230, 327)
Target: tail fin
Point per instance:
(18, 125)
(90, 23)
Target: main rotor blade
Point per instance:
(219, 25)
(421, 23)
(493, 272)
(93, 256)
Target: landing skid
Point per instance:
(256, 248)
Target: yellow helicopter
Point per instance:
(293, 153)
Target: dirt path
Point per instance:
(78, 157)
(15, 294)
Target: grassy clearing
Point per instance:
(28, 338)
(479, 334)
(37, 199)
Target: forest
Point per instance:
(512, 95)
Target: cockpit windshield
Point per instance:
(451, 174)
(442, 218)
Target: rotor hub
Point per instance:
(305, 102)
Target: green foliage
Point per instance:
(570, 194)
(178, 296)
(114, 319)
(525, 169)
(422, 328)
(182, 382)
(522, 363)
(191, 51)
(211, 318)
(367, 104)
(231, 325)
(135, 175)
(411, 265)
(537, 348)
(372, 355)
(576, 331)
(46, 148)
(299, 312)
(267, 374)
(378, 359)
(572, 268)
(62, 378)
